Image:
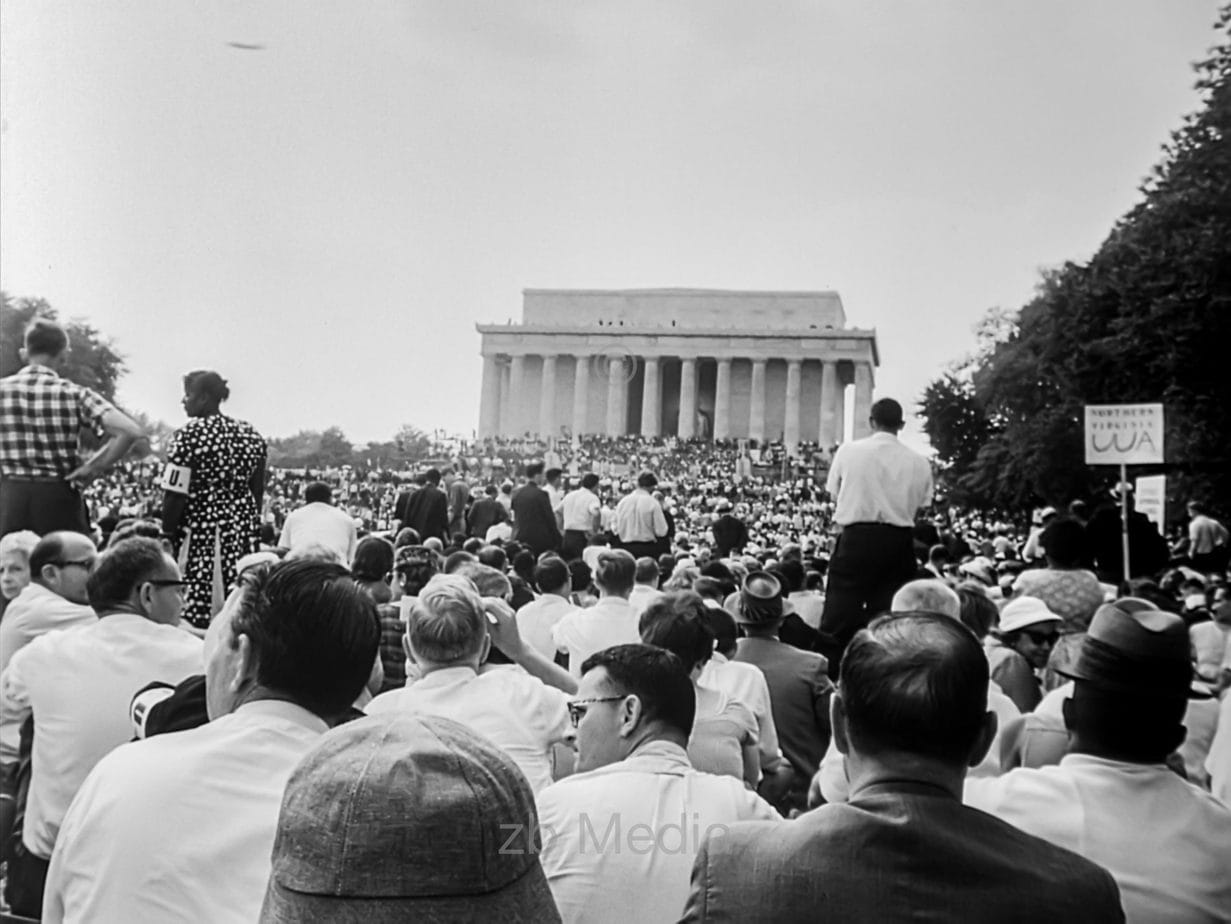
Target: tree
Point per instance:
(334, 449)
(93, 360)
(1148, 318)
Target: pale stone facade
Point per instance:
(685, 362)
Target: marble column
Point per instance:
(506, 375)
(615, 396)
(863, 400)
(517, 395)
(687, 426)
(829, 398)
(790, 426)
(547, 398)
(722, 401)
(651, 399)
(489, 401)
(839, 412)
(581, 395)
(756, 411)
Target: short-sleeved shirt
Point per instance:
(41, 415)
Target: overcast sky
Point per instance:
(325, 220)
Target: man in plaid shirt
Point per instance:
(41, 415)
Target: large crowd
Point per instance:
(594, 679)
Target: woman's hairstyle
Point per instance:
(207, 382)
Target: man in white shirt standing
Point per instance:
(878, 485)
(447, 638)
(639, 519)
(180, 827)
(1112, 798)
(619, 836)
(78, 685)
(580, 515)
(319, 523)
(609, 622)
(537, 619)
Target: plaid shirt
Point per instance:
(41, 415)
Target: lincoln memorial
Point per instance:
(684, 362)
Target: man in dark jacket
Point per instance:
(730, 533)
(1147, 550)
(485, 513)
(534, 522)
(427, 510)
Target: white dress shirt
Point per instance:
(537, 618)
(642, 596)
(517, 713)
(640, 518)
(320, 524)
(878, 480)
(1218, 761)
(746, 684)
(34, 612)
(79, 684)
(180, 827)
(580, 510)
(808, 606)
(581, 633)
(619, 842)
(1166, 842)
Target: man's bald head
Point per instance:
(927, 596)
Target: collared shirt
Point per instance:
(518, 713)
(619, 842)
(34, 612)
(642, 596)
(581, 633)
(809, 605)
(580, 510)
(745, 683)
(320, 524)
(640, 518)
(878, 480)
(180, 827)
(40, 416)
(1163, 840)
(536, 620)
(79, 684)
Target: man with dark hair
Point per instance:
(320, 525)
(78, 684)
(609, 622)
(580, 512)
(639, 520)
(619, 835)
(911, 716)
(41, 415)
(645, 588)
(181, 826)
(878, 486)
(484, 513)
(1113, 788)
(534, 522)
(537, 619)
(730, 532)
(427, 509)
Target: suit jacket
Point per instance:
(427, 512)
(534, 522)
(799, 691)
(897, 851)
(729, 533)
(484, 513)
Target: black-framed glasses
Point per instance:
(179, 585)
(577, 708)
(1042, 638)
(86, 563)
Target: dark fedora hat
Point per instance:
(760, 599)
(1132, 646)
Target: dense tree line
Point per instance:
(1147, 319)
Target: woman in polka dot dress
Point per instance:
(213, 485)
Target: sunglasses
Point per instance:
(578, 708)
(1042, 638)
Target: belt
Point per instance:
(36, 479)
(867, 525)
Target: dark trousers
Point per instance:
(641, 549)
(870, 562)
(573, 545)
(23, 887)
(43, 506)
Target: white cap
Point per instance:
(1022, 612)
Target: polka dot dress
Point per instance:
(221, 514)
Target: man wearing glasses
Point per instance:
(56, 596)
(78, 684)
(619, 837)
